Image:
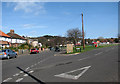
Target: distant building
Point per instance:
(5, 40)
(16, 39)
(33, 42)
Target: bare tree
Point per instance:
(74, 34)
(100, 38)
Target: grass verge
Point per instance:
(88, 48)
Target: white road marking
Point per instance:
(16, 74)
(35, 64)
(25, 75)
(66, 74)
(45, 59)
(21, 71)
(8, 79)
(98, 53)
(83, 58)
(27, 68)
(19, 79)
(30, 71)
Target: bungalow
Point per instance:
(15, 38)
(4, 40)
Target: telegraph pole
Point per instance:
(83, 33)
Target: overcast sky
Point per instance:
(55, 18)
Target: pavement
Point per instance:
(99, 65)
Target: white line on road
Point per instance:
(66, 74)
(25, 75)
(16, 74)
(98, 53)
(8, 79)
(83, 58)
(19, 79)
(30, 71)
(27, 68)
(21, 71)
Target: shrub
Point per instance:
(43, 46)
(25, 46)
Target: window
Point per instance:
(8, 50)
(3, 50)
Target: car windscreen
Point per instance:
(3, 51)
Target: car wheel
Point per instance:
(16, 56)
(8, 57)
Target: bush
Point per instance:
(37, 47)
(25, 46)
(12, 48)
(43, 46)
(0, 47)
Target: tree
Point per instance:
(116, 40)
(42, 40)
(89, 41)
(59, 40)
(100, 39)
(74, 34)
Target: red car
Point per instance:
(34, 51)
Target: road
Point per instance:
(99, 65)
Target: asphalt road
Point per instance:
(99, 65)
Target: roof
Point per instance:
(4, 42)
(15, 36)
(3, 34)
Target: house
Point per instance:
(16, 39)
(5, 40)
(33, 42)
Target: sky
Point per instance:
(55, 18)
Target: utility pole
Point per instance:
(83, 33)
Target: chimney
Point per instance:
(12, 31)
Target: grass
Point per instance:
(88, 48)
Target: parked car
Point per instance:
(34, 51)
(57, 49)
(7, 53)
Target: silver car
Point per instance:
(7, 53)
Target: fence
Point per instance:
(23, 51)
